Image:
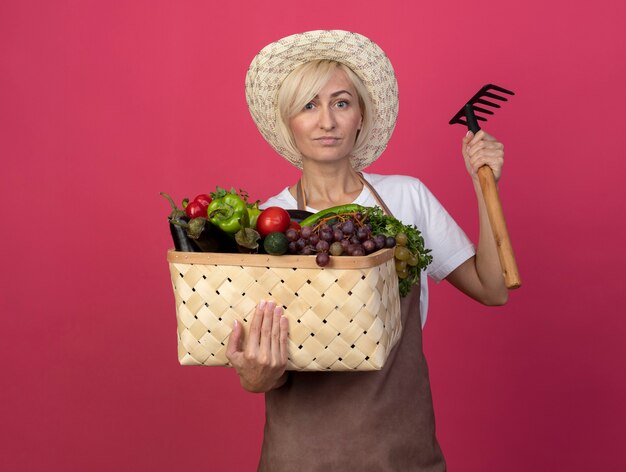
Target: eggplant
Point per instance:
(299, 215)
(199, 235)
(213, 239)
(182, 242)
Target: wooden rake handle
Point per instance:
(498, 227)
(495, 213)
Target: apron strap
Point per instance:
(375, 193)
(301, 199)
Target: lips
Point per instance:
(328, 140)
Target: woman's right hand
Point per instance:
(261, 359)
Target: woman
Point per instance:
(327, 102)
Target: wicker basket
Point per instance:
(345, 316)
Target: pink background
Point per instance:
(105, 104)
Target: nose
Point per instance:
(326, 118)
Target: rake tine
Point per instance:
(497, 97)
(500, 89)
(461, 121)
(483, 110)
(479, 98)
(455, 119)
(488, 103)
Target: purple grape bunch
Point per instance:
(349, 236)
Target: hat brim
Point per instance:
(369, 62)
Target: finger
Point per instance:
(275, 342)
(234, 340)
(481, 136)
(465, 146)
(493, 163)
(255, 325)
(467, 138)
(284, 338)
(487, 156)
(486, 147)
(266, 329)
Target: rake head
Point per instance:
(468, 110)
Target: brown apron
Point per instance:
(357, 421)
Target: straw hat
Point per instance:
(277, 60)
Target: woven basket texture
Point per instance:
(342, 319)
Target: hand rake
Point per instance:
(486, 97)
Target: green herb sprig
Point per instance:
(390, 226)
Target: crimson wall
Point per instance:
(105, 104)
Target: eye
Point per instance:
(342, 103)
(309, 106)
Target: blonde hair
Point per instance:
(302, 85)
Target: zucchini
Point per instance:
(336, 210)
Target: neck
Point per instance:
(328, 186)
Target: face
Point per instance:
(325, 130)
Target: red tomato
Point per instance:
(203, 199)
(272, 219)
(195, 209)
(295, 225)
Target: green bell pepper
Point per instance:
(229, 213)
(253, 214)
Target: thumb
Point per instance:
(468, 137)
(234, 340)
(465, 145)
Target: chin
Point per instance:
(328, 159)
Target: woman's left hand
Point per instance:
(483, 149)
(261, 358)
